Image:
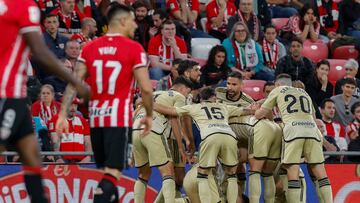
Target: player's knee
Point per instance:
(144, 172)
(167, 169)
(230, 170)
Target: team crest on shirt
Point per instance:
(172, 6)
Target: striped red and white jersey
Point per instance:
(352, 127)
(74, 141)
(110, 62)
(334, 129)
(17, 18)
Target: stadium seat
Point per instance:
(200, 47)
(254, 88)
(337, 70)
(201, 62)
(345, 52)
(315, 51)
(279, 22)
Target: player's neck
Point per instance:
(327, 119)
(115, 31)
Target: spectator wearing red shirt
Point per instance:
(46, 107)
(352, 130)
(218, 13)
(333, 128)
(69, 18)
(76, 140)
(163, 49)
(88, 31)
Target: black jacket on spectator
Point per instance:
(212, 75)
(354, 145)
(313, 88)
(331, 159)
(298, 70)
(349, 13)
(340, 82)
(142, 32)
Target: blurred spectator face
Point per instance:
(51, 24)
(322, 70)
(328, 112)
(72, 50)
(310, 14)
(73, 109)
(195, 73)
(348, 90)
(268, 89)
(157, 20)
(357, 114)
(219, 58)
(270, 35)
(234, 87)
(67, 6)
(46, 95)
(240, 33)
(168, 31)
(140, 13)
(246, 6)
(92, 27)
(351, 72)
(296, 48)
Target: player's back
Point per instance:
(110, 62)
(16, 18)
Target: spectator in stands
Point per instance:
(318, 86)
(351, 68)
(247, 15)
(244, 54)
(354, 145)
(344, 101)
(46, 6)
(268, 87)
(350, 12)
(70, 20)
(281, 9)
(165, 83)
(215, 70)
(294, 64)
(72, 52)
(352, 130)
(304, 25)
(158, 18)
(76, 140)
(332, 127)
(273, 50)
(46, 107)
(329, 143)
(143, 21)
(217, 13)
(88, 31)
(54, 40)
(327, 12)
(163, 49)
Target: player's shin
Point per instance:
(32, 179)
(294, 191)
(231, 192)
(204, 189)
(254, 186)
(139, 190)
(269, 187)
(168, 189)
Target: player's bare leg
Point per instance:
(294, 186)
(231, 191)
(141, 183)
(28, 150)
(318, 170)
(256, 166)
(179, 178)
(241, 173)
(168, 184)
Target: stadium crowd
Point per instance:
(247, 44)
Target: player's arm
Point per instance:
(165, 110)
(263, 113)
(47, 59)
(155, 62)
(187, 123)
(175, 125)
(87, 143)
(265, 110)
(141, 75)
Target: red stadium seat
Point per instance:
(254, 88)
(315, 51)
(201, 62)
(279, 22)
(345, 52)
(337, 70)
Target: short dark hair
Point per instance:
(207, 93)
(269, 26)
(296, 39)
(283, 75)
(141, 3)
(167, 22)
(236, 74)
(50, 15)
(181, 80)
(269, 83)
(116, 8)
(349, 81)
(177, 61)
(186, 65)
(326, 100)
(161, 12)
(323, 62)
(354, 107)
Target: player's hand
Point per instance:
(62, 125)
(183, 155)
(147, 122)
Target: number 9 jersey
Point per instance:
(110, 62)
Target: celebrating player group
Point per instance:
(273, 135)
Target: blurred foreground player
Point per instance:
(109, 65)
(21, 20)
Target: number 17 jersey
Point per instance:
(110, 62)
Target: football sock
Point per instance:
(325, 190)
(168, 189)
(204, 189)
(254, 186)
(269, 187)
(232, 190)
(293, 192)
(33, 184)
(139, 190)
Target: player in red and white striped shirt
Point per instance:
(109, 64)
(21, 21)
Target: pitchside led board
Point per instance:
(74, 183)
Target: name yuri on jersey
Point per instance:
(107, 50)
